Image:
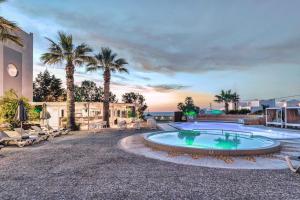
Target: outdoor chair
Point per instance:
(38, 137)
(290, 164)
(122, 125)
(64, 131)
(40, 131)
(103, 124)
(151, 123)
(56, 132)
(137, 125)
(13, 138)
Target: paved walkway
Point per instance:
(91, 166)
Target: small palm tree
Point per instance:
(107, 61)
(64, 51)
(235, 100)
(225, 97)
(8, 31)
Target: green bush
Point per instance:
(9, 105)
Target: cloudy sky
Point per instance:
(177, 48)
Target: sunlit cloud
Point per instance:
(196, 48)
(167, 87)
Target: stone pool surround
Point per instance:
(134, 144)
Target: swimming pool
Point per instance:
(269, 132)
(212, 142)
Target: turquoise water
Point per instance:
(211, 139)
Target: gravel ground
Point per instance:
(90, 166)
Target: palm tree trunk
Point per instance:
(70, 97)
(106, 77)
(226, 107)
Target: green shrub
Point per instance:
(9, 105)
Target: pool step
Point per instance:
(166, 127)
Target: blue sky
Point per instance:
(177, 48)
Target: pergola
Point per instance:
(292, 116)
(275, 116)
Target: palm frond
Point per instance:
(8, 32)
(66, 42)
(9, 37)
(51, 58)
(121, 61)
(93, 68)
(54, 47)
(122, 69)
(107, 60)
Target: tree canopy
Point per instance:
(188, 107)
(137, 99)
(47, 87)
(226, 96)
(88, 91)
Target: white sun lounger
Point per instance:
(290, 164)
(40, 131)
(37, 136)
(13, 138)
(59, 131)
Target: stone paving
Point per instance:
(92, 166)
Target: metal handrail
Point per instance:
(222, 130)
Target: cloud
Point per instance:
(142, 77)
(122, 78)
(168, 47)
(167, 87)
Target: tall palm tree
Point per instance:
(65, 51)
(107, 61)
(8, 31)
(225, 97)
(235, 100)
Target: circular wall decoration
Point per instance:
(12, 70)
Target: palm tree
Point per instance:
(64, 51)
(235, 100)
(8, 31)
(107, 61)
(225, 97)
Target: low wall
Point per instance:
(248, 119)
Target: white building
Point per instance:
(288, 103)
(16, 66)
(87, 112)
(256, 104)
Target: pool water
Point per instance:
(211, 139)
(273, 133)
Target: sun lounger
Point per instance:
(13, 138)
(32, 134)
(40, 131)
(59, 131)
(290, 164)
